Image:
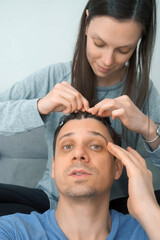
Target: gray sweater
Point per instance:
(18, 113)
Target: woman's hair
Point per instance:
(141, 11)
(83, 115)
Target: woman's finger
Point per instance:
(77, 101)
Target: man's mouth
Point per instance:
(79, 173)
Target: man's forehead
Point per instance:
(81, 126)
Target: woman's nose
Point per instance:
(107, 58)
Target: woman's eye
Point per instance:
(124, 52)
(98, 45)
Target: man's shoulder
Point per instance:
(124, 226)
(25, 219)
(30, 226)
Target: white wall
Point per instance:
(155, 70)
(36, 33)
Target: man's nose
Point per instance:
(80, 154)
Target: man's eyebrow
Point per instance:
(66, 135)
(91, 132)
(99, 134)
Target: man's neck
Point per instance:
(85, 219)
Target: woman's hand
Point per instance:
(124, 109)
(62, 98)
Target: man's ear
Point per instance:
(53, 161)
(119, 168)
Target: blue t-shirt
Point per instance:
(44, 227)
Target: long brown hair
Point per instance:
(142, 11)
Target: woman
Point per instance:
(109, 76)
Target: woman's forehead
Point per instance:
(124, 32)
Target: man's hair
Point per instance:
(83, 115)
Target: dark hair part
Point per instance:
(83, 115)
(141, 11)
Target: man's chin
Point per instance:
(80, 193)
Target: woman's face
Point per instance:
(110, 44)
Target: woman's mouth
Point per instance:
(103, 70)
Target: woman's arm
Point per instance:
(18, 105)
(48, 90)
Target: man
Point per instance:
(85, 164)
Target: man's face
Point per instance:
(83, 167)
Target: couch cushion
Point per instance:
(22, 171)
(24, 145)
(23, 158)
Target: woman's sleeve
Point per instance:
(154, 114)
(18, 105)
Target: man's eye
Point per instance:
(67, 147)
(96, 147)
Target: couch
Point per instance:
(23, 158)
